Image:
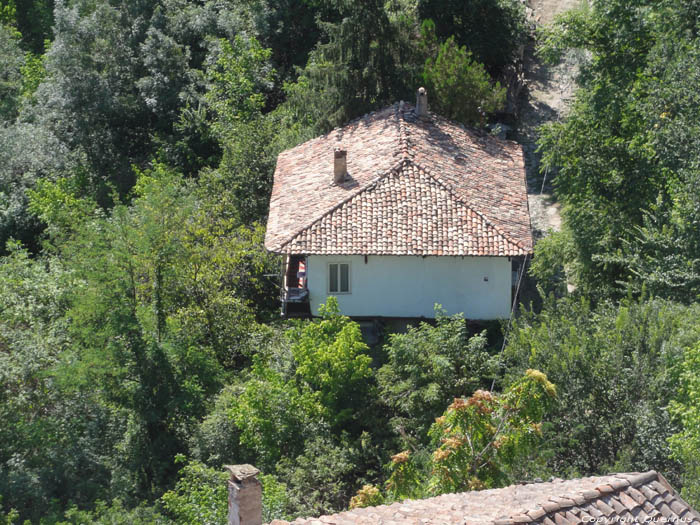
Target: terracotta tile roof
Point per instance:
(416, 186)
(618, 498)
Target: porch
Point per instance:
(294, 293)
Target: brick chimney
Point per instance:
(422, 102)
(244, 495)
(340, 165)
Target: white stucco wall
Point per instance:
(408, 286)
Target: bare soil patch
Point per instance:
(548, 92)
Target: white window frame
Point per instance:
(328, 278)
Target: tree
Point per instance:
(427, 367)
(160, 317)
(11, 62)
(272, 415)
(125, 82)
(615, 367)
(462, 90)
(53, 443)
(477, 442)
(625, 154)
(365, 60)
(238, 81)
(331, 360)
(685, 444)
(492, 30)
(200, 495)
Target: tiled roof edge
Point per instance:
(661, 479)
(400, 110)
(617, 482)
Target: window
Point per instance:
(339, 278)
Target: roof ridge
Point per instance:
(334, 131)
(459, 199)
(395, 168)
(403, 136)
(616, 483)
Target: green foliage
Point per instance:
(331, 360)
(407, 478)
(322, 479)
(554, 263)
(52, 442)
(366, 59)
(129, 328)
(272, 414)
(299, 413)
(615, 368)
(10, 517)
(27, 153)
(492, 30)
(11, 63)
(625, 155)
(59, 206)
(427, 367)
(8, 13)
(477, 442)
(275, 499)
(160, 315)
(461, 88)
(237, 79)
(115, 513)
(327, 379)
(34, 21)
(685, 444)
(33, 73)
(200, 495)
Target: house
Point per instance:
(397, 211)
(632, 498)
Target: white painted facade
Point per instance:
(409, 286)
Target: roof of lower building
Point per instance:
(617, 498)
(415, 186)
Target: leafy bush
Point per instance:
(200, 495)
(476, 443)
(331, 360)
(615, 367)
(427, 367)
(685, 444)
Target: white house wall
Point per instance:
(409, 286)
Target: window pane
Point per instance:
(344, 278)
(333, 274)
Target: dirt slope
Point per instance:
(548, 91)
